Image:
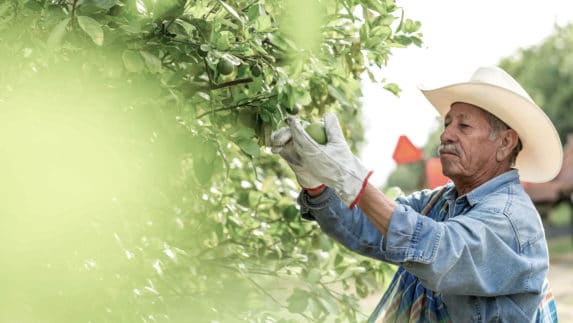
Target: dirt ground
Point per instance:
(561, 280)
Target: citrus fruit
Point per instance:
(317, 132)
(225, 67)
(294, 109)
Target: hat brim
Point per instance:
(541, 158)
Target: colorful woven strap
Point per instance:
(406, 299)
(547, 310)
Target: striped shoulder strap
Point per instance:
(433, 201)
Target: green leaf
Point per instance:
(255, 11)
(152, 62)
(335, 93)
(360, 287)
(132, 61)
(393, 88)
(221, 40)
(314, 276)
(386, 20)
(204, 96)
(371, 76)
(263, 24)
(102, 4)
(329, 304)
(298, 301)
(4, 9)
(401, 24)
(279, 41)
(382, 32)
(350, 271)
(203, 170)
(93, 28)
(244, 132)
(231, 11)
(290, 213)
(249, 147)
(254, 198)
(132, 28)
(324, 242)
(209, 151)
(57, 34)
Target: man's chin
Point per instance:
(448, 170)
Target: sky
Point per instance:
(459, 36)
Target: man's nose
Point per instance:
(447, 135)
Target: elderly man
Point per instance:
(471, 251)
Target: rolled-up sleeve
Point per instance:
(351, 228)
(411, 237)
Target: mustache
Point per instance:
(448, 149)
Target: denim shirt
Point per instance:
(488, 258)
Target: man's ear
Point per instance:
(508, 140)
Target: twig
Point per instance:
(219, 109)
(273, 298)
(73, 10)
(207, 71)
(232, 83)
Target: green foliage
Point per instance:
(431, 146)
(408, 177)
(138, 185)
(546, 72)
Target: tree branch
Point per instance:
(242, 104)
(220, 109)
(73, 14)
(232, 83)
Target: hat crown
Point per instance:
(494, 75)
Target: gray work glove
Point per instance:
(282, 144)
(332, 164)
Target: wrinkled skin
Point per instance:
(469, 154)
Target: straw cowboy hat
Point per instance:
(492, 89)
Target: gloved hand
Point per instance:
(282, 144)
(332, 164)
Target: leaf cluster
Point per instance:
(193, 90)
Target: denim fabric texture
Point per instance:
(488, 257)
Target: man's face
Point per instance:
(467, 152)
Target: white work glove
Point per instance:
(282, 144)
(333, 163)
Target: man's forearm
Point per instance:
(377, 207)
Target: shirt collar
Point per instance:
(486, 188)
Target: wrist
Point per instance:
(361, 191)
(315, 191)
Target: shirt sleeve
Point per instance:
(472, 254)
(351, 228)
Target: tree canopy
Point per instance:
(137, 185)
(546, 72)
